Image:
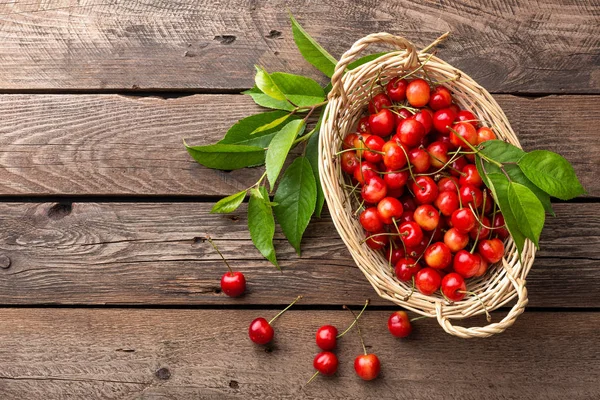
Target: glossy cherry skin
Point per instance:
(470, 194)
(425, 189)
(377, 242)
(374, 143)
(484, 134)
(483, 266)
(406, 268)
(463, 219)
(360, 145)
(418, 92)
(440, 98)
(411, 233)
(438, 154)
(394, 156)
(428, 281)
(399, 324)
(379, 102)
(467, 116)
(367, 366)
(448, 183)
(410, 132)
(382, 123)
(408, 203)
(425, 117)
(500, 226)
(326, 337)
(396, 89)
(394, 255)
(454, 286)
(419, 160)
(374, 190)
(427, 217)
(395, 179)
(457, 165)
(369, 219)
(480, 231)
(455, 239)
(470, 176)
(233, 284)
(389, 209)
(260, 331)
(438, 256)
(466, 264)
(447, 202)
(464, 130)
(443, 119)
(401, 115)
(348, 142)
(349, 162)
(326, 363)
(491, 250)
(365, 172)
(363, 125)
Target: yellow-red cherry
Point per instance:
(428, 280)
(367, 366)
(418, 92)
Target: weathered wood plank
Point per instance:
(117, 354)
(538, 46)
(132, 253)
(110, 144)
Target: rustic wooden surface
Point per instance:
(107, 289)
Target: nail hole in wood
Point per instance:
(273, 34)
(4, 262)
(234, 384)
(163, 374)
(225, 39)
(60, 210)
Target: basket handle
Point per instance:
(363, 43)
(491, 329)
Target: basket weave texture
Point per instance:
(349, 96)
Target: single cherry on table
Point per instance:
(233, 284)
(260, 330)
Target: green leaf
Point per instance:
(229, 204)
(365, 59)
(509, 155)
(271, 125)
(227, 157)
(300, 90)
(267, 101)
(311, 50)
(280, 147)
(297, 196)
(551, 173)
(312, 154)
(243, 131)
(528, 211)
(266, 85)
(499, 187)
(261, 223)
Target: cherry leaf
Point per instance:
(528, 211)
(229, 204)
(261, 223)
(280, 147)
(227, 157)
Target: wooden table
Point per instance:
(109, 291)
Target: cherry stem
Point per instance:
(284, 310)
(398, 230)
(313, 106)
(359, 149)
(362, 342)
(456, 76)
(412, 289)
(488, 317)
(447, 164)
(312, 377)
(218, 251)
(421, 65)
(475, 215)
(410, 168)
(477, 151)
(258, 182)
(493, 218)
(355, 319)
(418, 318)
(428, 244)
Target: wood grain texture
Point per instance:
(118, 145)
(135, 253)
(523, 46)
(191, 354)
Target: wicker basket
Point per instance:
(347, 99)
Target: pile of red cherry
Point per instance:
(422, 199)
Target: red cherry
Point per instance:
(260, 331)
(463, 220)
(425, 189)
(396, 89)
(369, 219)
(470, 194)
(500, 226)
(399, 324)
(395, 179)
(470, 176)
(363, 125)
(349, 162)
(480, 231)
(374, 143)
(389, 209)
(443, 119)
(428, 281)
(417, 93)
(365, 172)
(326, 363)
(406, 268)
(408, 203)
(491, 250)
(454, 286)
(326, 338)
(484, 134)
(419, 159)
(367, 366)
(438, 256)
(394, 255)
(448, 184)
(440, 98)
(425, 117)
(382, 123)
(464, 130)
(467, 116)
(401, 115)
(427, 217)
(455, 239)
(410, 132)
(395, 192)
(454, 107)
(374, 190)
(348, 142)
(466, 264)
(359, 143)
(447, 202)
(411, 233)
(376, 241)
(407, 216)
(394, 156)
(483, 266)
(418, 249)
(233, 284)
(438, 154)
(378, 103)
